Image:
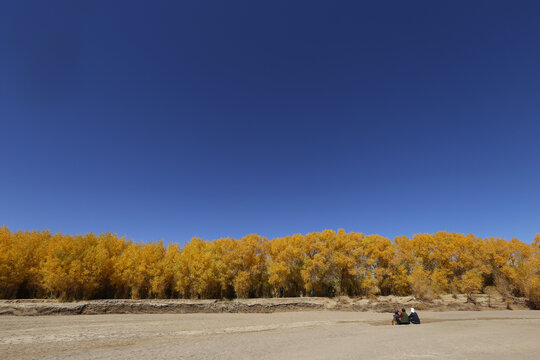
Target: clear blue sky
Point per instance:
(223, 118)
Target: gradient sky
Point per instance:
(173, 119)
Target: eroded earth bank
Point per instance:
(179, 306)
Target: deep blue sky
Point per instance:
(222, 118)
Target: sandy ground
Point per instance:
(290, 335)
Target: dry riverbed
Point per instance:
(280, 335)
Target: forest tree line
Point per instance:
(39, 264)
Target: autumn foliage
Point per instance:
(41, 264)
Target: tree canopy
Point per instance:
(46, 265)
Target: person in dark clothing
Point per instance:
(395, 320)
(414, 318)
(404, 319)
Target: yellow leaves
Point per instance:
(439, 281)
(471, 282)
(369, 286)
(400, 280)
(20, 256)
(198, 269)
(242, 284)
(91, 266)
(420, 284)
(79, 266)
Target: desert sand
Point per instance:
(280, 335)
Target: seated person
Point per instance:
(395, 319)
(404, 318)
(414, 318)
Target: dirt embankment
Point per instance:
(180, 306)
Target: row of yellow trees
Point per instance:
(41, 264)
